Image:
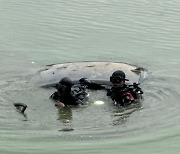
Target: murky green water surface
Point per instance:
(36, 33)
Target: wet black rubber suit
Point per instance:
(122, 96)
(69, 94)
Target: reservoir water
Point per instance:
(139, 32)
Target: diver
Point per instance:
(121, 93)
(69, 94)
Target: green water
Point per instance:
(36, 33)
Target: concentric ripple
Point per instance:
(159, 109)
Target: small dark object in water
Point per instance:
(66, 129)
(21, 106)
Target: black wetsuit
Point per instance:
(121, 95)
(125, 95)
(67, 99)
(75, 97)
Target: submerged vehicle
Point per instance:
(98, 72)
(96, 76)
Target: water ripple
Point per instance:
(159, 109)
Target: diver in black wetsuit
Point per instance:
(121, 93)
(65, 96)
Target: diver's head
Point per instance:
(66, 81)
(64, 85)
(62, 89)
(118, 78)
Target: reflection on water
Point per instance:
(65, 116)
(118, 114)
(121, 114)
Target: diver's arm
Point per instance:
(91, 85)
(54, 96)
(59, 104)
